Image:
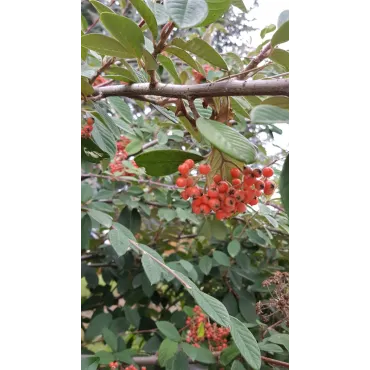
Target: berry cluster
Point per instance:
(200, 330)
(225, 199)
(199, 77)
(87, 129)
(114, 365)
(99, 80)
(121, 155)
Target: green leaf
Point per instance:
(283, 17)
(204, 112)
(167, 350)
(169, 66)
(284, 185)
(281, 57)
(279, 101)
(86, 88)
(254, 237)
(105, 357)
(216, 8)
(233, 248)
(110, 338)
(282, 339)
(152, 269)
(104, 138)
(100, 217)
(205, 51)
(237, 365)
(200, 354)
(124, 356)
(106, 119)
(147, 15)
(150, 62)
(131, 219)
(104, 45)
(270, 347)
(159, 11)
(228, 354)
(180, 361)
(169, 330)
(86, 192)
(248, 309)
(240, 5)
(240, 105)
(119, 241)
(91, 152)
(269, 114)
(267, 29)
(84, 24)
(89, 363)
(96, 326)
(281, 35)
(227, 140)
(164, 162)
(121, 74)
(121, 107)
(212, 307)
(221, 258)
(205, 264)
(85, 231)
(134, 146)
(132, 316)
(185, 56)
(246, 343)
(126, 31)
(101, 8)
(186, 13)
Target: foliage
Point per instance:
(146, 259)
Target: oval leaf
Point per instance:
(246, 343)
(169, 330)
(227, 140)
(281, 35)
(91, 152)
(164, 162)
(167, 350)
(183, 55)
(100, 217)
(284, 185)
(281, 57)
(187, 13)
(233, 248)
(147, 15)
(216, 8)
(167, 63)
(269, 114)
(101, 8)
(152, 269)
(126, 31)
(205, 51)
(104, 45)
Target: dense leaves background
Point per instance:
(146, 259)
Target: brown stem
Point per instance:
(275, 362)
(213, 89)
(167, 29)
(193, 109)
(106, 65)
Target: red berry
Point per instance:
(254, 201)
(220, 215)
(189, 181)
(241, 207)
(257, 172)
(205, 209)
(229, 201)
(267, 172)
(269, 187)
(217, 178)
(249, 181)
(215, 204)
(235, 172)
(204, 198)
(247, 171)
(181, 182)
(194, 192)
(239, 195)
(184, 169)
(212, 192)
(259, 185)
(184, 195)
(223, 187)
(222, 196)
(237, 183)
(258, 193)
(196, 209)
(90, 121)
(204, 169)
(190, 163)
(197, 202)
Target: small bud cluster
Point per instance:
(200, 330)
(99, 80)
(121, 155)
(87, 129)
(225, 199)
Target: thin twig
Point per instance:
(193, 109)
(275, 362)
(106, 65)
(257, 69)
(280, 75)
